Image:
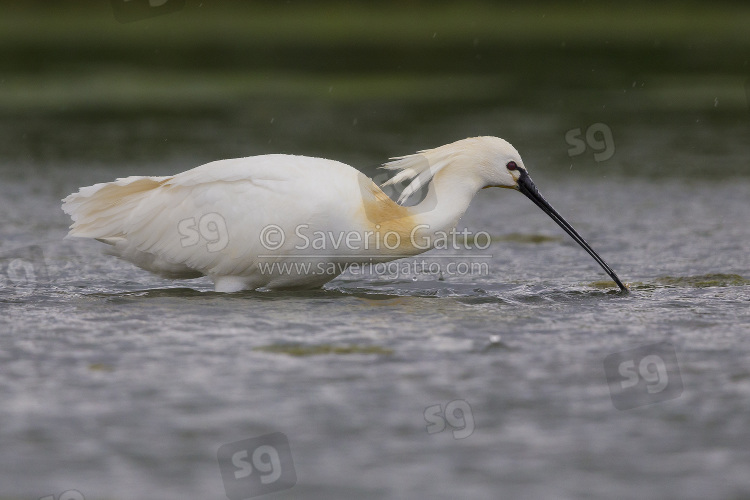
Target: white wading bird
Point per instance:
(237, 221)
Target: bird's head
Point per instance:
(497, 163)
(481, 162)
(504, 168)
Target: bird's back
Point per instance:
(211, 219)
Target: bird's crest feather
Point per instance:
(416, 169)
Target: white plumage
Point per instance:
(232, 219)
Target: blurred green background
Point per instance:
(362, 81)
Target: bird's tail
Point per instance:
(102, 211)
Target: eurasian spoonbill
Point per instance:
(239, 221)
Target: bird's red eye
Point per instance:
(512, 165)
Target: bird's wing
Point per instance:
(211, 218)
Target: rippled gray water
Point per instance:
(121, 385)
